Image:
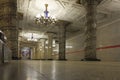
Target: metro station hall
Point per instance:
(59, 39)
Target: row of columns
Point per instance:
(8, 23)
(90, 32)
(46, 51)
(45, 48)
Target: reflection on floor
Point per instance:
(60, 70)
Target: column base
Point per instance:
(49, 59)
(42, 59)
(15, 58)
(90, 59)
(62, 59)
(35, 59)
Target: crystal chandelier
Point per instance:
(46, 20)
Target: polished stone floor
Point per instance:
(59, 70)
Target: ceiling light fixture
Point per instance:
(46, 19)
(32, 38)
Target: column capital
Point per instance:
(63, 23)
(50, 33)
(43, 39)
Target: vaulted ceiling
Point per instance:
(68, 10)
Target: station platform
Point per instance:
(59, 70)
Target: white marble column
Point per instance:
(33, 54)
(39, 50)
(43, 54)
(62, 38)
(50, 47)
(90, 30)
(8, 25)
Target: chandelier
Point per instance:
(46, 20)
(31, 38)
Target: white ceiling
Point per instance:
(67, 10)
